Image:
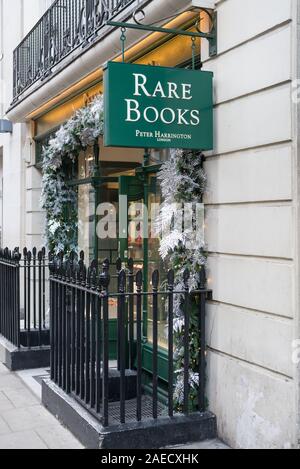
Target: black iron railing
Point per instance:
(82, 307)
(24, 295)
(10, 296)
(66, 26)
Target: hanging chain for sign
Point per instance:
(123, 42)
(193, 53)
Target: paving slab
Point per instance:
(9, 381)
(5, 403)
(4, 428)
(24, 422)
(58, 438)
(28, 418)
(22, 440)
(19, 398)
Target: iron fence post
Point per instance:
(155, 283)
(104, 283)
(186, 278)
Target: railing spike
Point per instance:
(155, 279)
(94, 264)
(17, 256)
(104, 279)
(202, 278)
(139, 279)
(58, 266)
(130, 265)
(94, 278)
(68, 269)
(63, 270)
(171, 277)
(122, 281)
(52, 266)
(84, 273)
(81, 266)
(77, 273)
(186, 277)
(71, 271)
(89, 277)
(119, 264)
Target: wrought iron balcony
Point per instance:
(66, 26)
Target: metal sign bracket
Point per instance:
(211, 36)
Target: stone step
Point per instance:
(148, 434)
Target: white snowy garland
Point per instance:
(183, 183)
(58, 199)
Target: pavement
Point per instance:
(24, 422)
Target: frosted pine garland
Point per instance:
(58, 199)
(183, 183)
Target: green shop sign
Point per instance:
(158, 107)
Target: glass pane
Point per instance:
(86, 163)
(108, 241)
(135, 230)
(86, 219)
(155, 262)
(108, 245)
(159, 156)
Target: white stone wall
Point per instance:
(22, 219)
(251, 226)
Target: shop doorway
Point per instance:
(136, 199)
(131, 190)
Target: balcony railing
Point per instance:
(66, 26)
